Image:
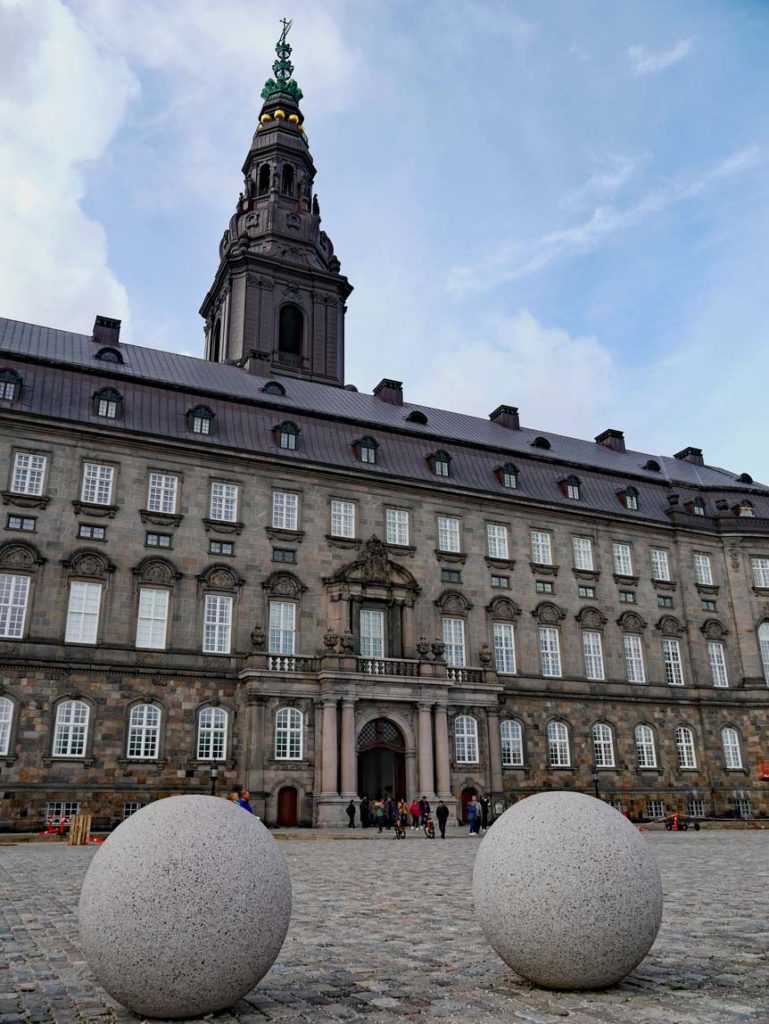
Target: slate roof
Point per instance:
(160, 388)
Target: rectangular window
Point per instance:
(83, 613)
(627, 597)
(282, 627)
(14, 594)
(702, 570)
(287, 555)
(549, 651)
(744, 808)
(634, 659)
(397, 526)
(496, 537)
(588, 592)
(454, 639)
(28, 473)
(448, 534)
(88, 532)
(131, 807)
(451, 576)
(541, 547)
(623, 562)
(372, 625)
(674, 670)
(158, 540)
(97, 484)
(708, 605)
(343, 519)
(695, 807)
(664, 601)
(56, 810)
(717, 659)
(217, 624)
(285, 510)
(504, 647)
(221, 547)
(655, 809)
(760, 572)
(583, 553)
(224, 502)
(162, 493)
(593, 652)
(543, 586)
(501, 582)
(25, 523)
(660, 564)
(152, 620)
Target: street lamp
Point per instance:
(213, 773)
(595, 784)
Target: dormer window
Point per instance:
(571, 487)
(109, 355)
(10, 385)
(109, 403)
(745, 478)
(201, 419)
(630, 498)
(441, 463)
(508, 476)
(366, 450)
(416, 417)
(273, 388)
(540, 442)
(745, 510)
(698, 507)
(287, 435)
(653, 466)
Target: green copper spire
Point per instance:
(283, 69)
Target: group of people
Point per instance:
(242, 798)
(387, 813)
(477, 814)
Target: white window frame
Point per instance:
(674, 666)
(70, 731)
(83, 612)
(453, 632)
(623, 558)
(541, 547)
(763, 647)
(162, 492)
(572, 490)
(28, 473)
(660, 564)
(217, 623)
(558, 746)
(603, 745)
(285, 510)
(14, 601)
(645, 747)
(372, 626)
(213, 725)
(152, 618)
(511, 742)
(592, 651)
(504, 647)
(466, 739)
(550, 652)
(634, 658)
(719, 674)
(6, 722)
(695, 807)
(343, 518)
(223, 505)
(56, 810)
(583, 553)
(143, 732)
(496, 540)
(655, 809)
(730, 741)
(687, 756)
(449, 534)
(282, 627)
(289, 734)
(703, 569)
(397, 526)
(98, 482)
(760, 568)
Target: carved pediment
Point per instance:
(284, 584)
(591, 618)
(451, 602)
(503, 608)
(221, 577)
(14, 555)
(631, 622)
(669, 625)
(87, 562)
(548, 614)
(714, 630)
(374, 568)
(156, 570)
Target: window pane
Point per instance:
(288, 734)
(674, 672)
(70, 729)
(702, 570)
(634, 662)
(152, 620)
(593, 652)
(97, 484)
(282, 627)
(497, 540)
(342, 519)
(83, 613)
(371, 634)
(685, 748)
(28, 473)
(644, 739)
(448, 534)
(162, 493)
(397, 523)
(504, 647)
(549, 650)
(466, 739)
(6, 717)
(623, 563)
(217, 624)
(14, 593)
(732, 754)
(224, 502)
(285, 510)
(660, 564)
(541, 547)
(603, 746)
(717, 659)
(512, 743)
(583, 553)
(212, 734)
(454, 639)
(558, 745)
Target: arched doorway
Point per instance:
(381, 760)
(287, 806)
(467, 792)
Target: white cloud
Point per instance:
(61, 101)
(649, 62)
(612, 172)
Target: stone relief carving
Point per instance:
(591, 618)
(669, 625)
(284, 584)
(88, 563)
(714, 630)
(221, 577)
(451, 602)
(548, 614)
(630, 622)
(156, 570)
(503, 608)
(373, 568)
(19, 556)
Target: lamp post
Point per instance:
(213, 773)
(595, 784)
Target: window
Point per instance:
(660, 564)
(504, 647)
(572, 486)
(743, 807)
(634, 661)
(466, 739)
(508, 476)
(698, 507)
(367, 449)
(731, 744)
(83, 613)
(28, 473)
(70, 730)
(217, 624)
(285, 510)
(763, 646)
(603, 746)
(745, 509)
(674, 670)
(212, 734)
(760, 572)
(541, 547)
(224, 502)
(631, 498)
(221, 547)
(448, 534)
(664, 601)
(543, 587)
(558, 745)
(588, 592)
(287, 436)
(441, 464)
(286, 555)
(152, 620)
(131, 807)
(109, 355)
(162, 493)
(372, 634)
(10, 385)
(397, 526)
(695, 807)
(272, 387)
(108, 403)
(583, 553)
(717, 659)
(549, 651)
(288, 735)
(501, 582)
(708, 605)
(144, 732)
(702, 570)
(25, 523)
(158, 540)
(627, 597)
(6, 717)
(201, 419)
(282, 627)
(86, 531)
(97, 484)
(451, 576)
(623, 562)
(593, 653)
(646, 755)
(511, 735)
(343, 519)
(454, 639)
(655, 809)
(541, 442)
(290, 335)
(287, 180)
(685, 748)
(496, 537)
(416, 417)
(57, 811)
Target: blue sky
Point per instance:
(558, 205)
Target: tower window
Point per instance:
(201, 419)
(263, 186)
(290, 332)
(216, 343)
(109, 403)
(287, 435)
(287, 180)
(10, 385)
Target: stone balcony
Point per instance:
(350, 664)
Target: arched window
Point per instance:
(511, 735)
(212, 734)
(6, 720)
(288, 735)
(144, 732)
(109, 355)
(646, 754)
(108, 403)
(441, 462)
(571, 486)
(216, 343)
(272, 387)
(653, 466)
(287, 180)
(558, 754)
(731, 744)
(631, 498)
(290, 335)
(263, 186)
(287, 435)
(71, 729)
(763, 645)
(415, 416)
(508, 476)
(10, 385)
(201, 419)
(685, 747)
(603, 745)
(466, 739)
(367, 450)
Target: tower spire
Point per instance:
(282, 68)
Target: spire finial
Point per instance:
(282, 68)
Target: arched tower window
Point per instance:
(216, 343)
(287, 180)
(290, 331)
(263, 186)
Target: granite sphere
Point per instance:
(185, 907)
(567, 892)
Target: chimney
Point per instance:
(506, 416)
(389, 391)
(613, 439)
(106, 331)
(693, 455)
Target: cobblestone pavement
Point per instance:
(384, 932)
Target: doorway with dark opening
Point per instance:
(381, 760)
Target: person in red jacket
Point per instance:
(416, 814)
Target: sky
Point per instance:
(560, 205)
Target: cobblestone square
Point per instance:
(385, 932)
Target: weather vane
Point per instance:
(282, 68)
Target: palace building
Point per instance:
(241, 570)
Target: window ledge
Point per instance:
(138, 762)
(404, 550)
(88, 508)
(222, 526)
(160, 518)
(343, 542)
(707, 588)
(278, 533)
(516, 768)
(25, 500)
(561, 768)
(9, 760)
(761, 591)
(86, 762)
(586, 574)
(626, 581)
(669, 585)
(453, 557)
(500, 563)
(649, 771)
(541, 569)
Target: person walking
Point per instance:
(364, 813)
(424, 810)
(416, 814)
(403, 812)
(379, 813)
(485, 807)
(442, 814)
(350, 811)
(244, 801)
(473, 815)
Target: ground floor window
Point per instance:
(744, 808)
(131, 807)
(617, 805)
(695, 808)
(655, 809)
(55, 810)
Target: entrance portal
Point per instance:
(467, 793)
(287, 806)
(381, 760)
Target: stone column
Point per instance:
(425, 753)
(442, 757)
(253, 752)
(495, 751)
(329, 768)
(349, 780)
